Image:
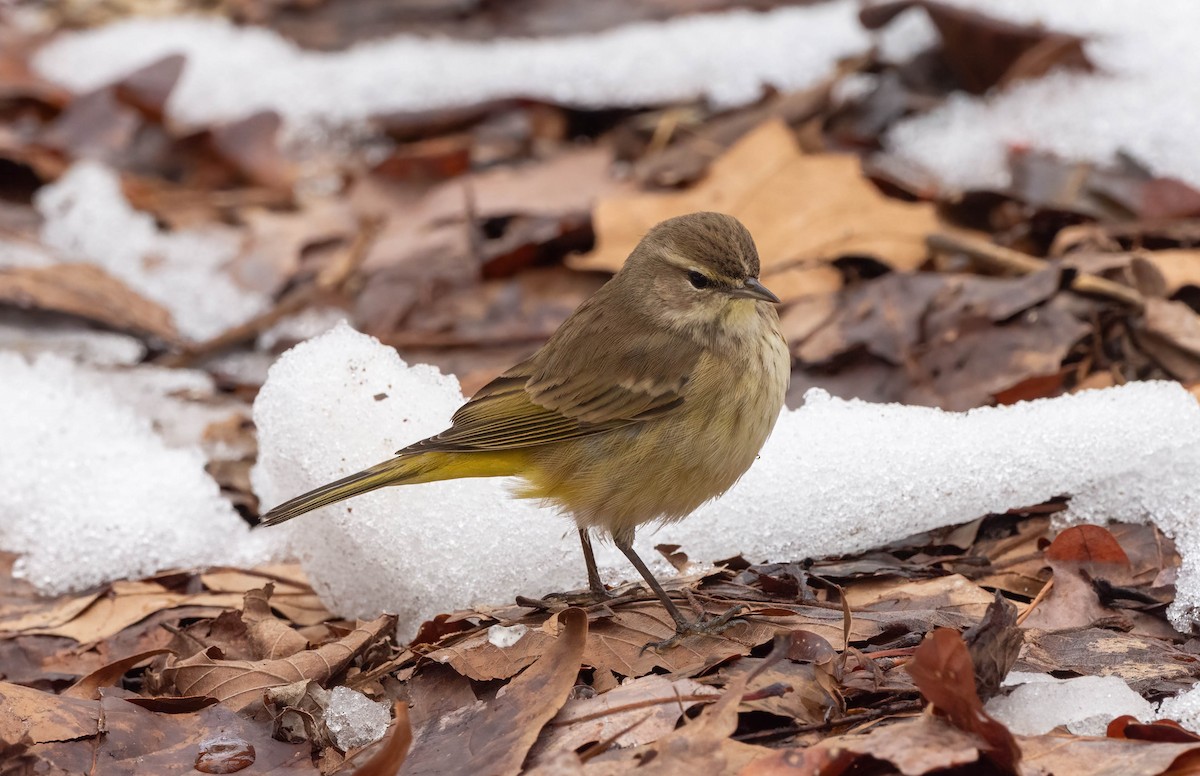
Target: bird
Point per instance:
(649, 400)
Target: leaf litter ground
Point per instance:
(878, 662)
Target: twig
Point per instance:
(642, 704)
(849, 719)
(331, 278)
(1024, 264)
(1041, 596)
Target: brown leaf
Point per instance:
(1068, 756)
(32, 716)
(1086, 544)
(270, 637)
(616, 643)
(984, 52)
(1128, 726)
(942, 670)
(915, 746)
(703, 745)
(86, 291)
(810, 692)
(148, 87)
(767, 183)
(994, 644)
(240, 683)
(1146, 664)
(95, 125)
(89, 686)
(1179, 268)
(1170, 333)
(251, 146)
(495, 737)
(640, 711)
(95, 617)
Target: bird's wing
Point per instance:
(583, 381)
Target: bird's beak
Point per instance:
(755, 290)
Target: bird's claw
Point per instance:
(701, 627)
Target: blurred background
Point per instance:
(960, 203)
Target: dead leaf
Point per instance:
(86, 291)
(638, 712)
(240, 683)
(984, 52)
(35, 717)
(494, 737)
(953, 592)
(89, 686)
(1107, 756)
(808, 694)
(124, 604)
(251, 146)
(994, 644)
(769, 185)
(1178, 268)
(270, 637)
(1079, 557)
(942, 670)
(1170, 333)
(1146, 664)
(703, 745)
(917, 746)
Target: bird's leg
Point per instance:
(589, 558)
(683, 626)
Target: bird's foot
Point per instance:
(700, 627)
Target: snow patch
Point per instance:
(91, 493)
(729, 58)
(1085, 705)
(836, 477)
(87, 218)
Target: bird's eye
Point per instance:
(698, 279)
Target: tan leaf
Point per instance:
(240, 683)
(124, 604)
(32, 716)
(638, 712)
(89, 292)
(89, 686)
(270, 638)
(801, 208)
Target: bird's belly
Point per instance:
(662, 469)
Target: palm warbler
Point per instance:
(652, 398)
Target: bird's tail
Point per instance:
(396, 471)
(406, 469)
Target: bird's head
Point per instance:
(698, 271)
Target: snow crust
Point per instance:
(1141, 99)
(836, 477)
(354, 720)
(728, 58)
(86, 218)
(92, 493)
(1085, 704)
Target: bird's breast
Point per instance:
(667, 467)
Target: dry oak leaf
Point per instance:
(86, 291)
(95, 617)
(801, 209)
(493, 738)
(941, 668)
(240, 683)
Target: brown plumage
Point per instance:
(652, 398)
